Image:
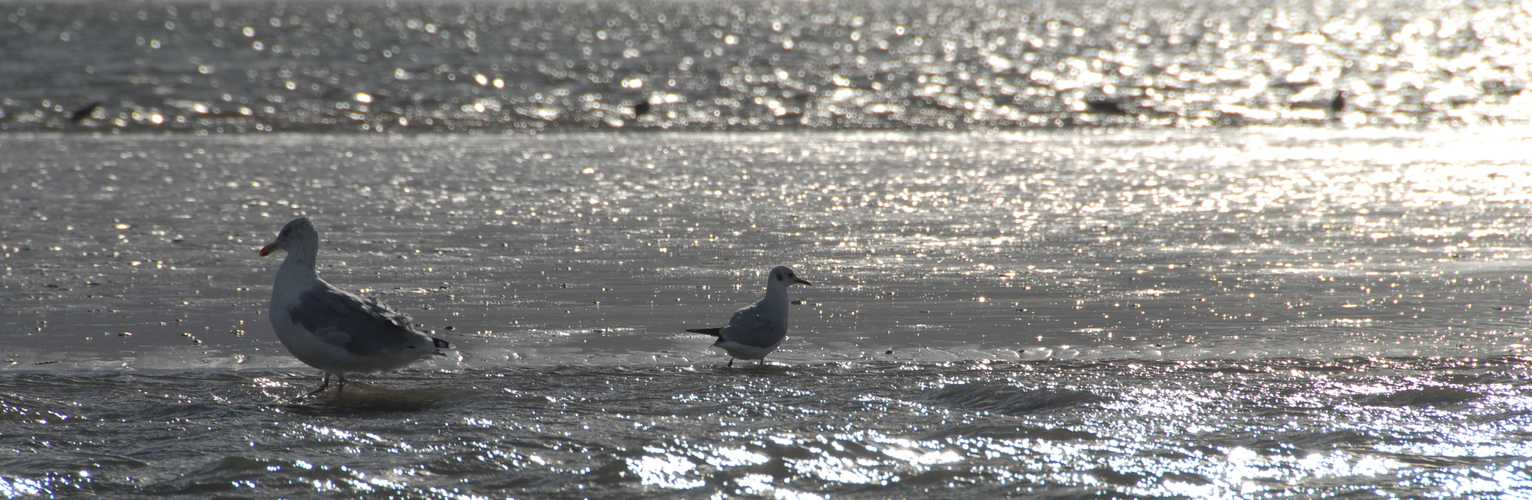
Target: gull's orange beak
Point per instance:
(268, 249)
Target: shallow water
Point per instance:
(599, 248)
(1204, 429)
(751, 65)
(1221, 313)
(1059, 249)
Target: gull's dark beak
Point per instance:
(802, 281)
(268, 249)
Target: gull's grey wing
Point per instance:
(750, 326)
(361, 326)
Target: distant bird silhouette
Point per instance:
(85, 113)
(640, 109)
(1339, 102)
(1105, 107)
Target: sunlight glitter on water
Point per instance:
(1208, 429)
(750, 65)
(667, 471)
(1241, 232)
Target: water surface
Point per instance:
(1158, 313)
(751, 65)
(1060, 249)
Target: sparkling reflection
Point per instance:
(1223, 313)
(750, 65)
(1207, 429)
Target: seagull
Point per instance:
(332, 330)
(755, 331)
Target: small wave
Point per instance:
(363, 397)
(1009, 400)
(1014, 433)
(1429, 396)
(1319, 440)
(238, 466)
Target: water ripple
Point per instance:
(751, 65)
(1219, 429)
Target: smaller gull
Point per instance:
(755, 331)
(332, 330)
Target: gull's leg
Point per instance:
(341, 377)
(321, 386)
(731, 361)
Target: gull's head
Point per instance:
(296, 234)
(784, 277)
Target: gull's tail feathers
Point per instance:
(440, 344)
